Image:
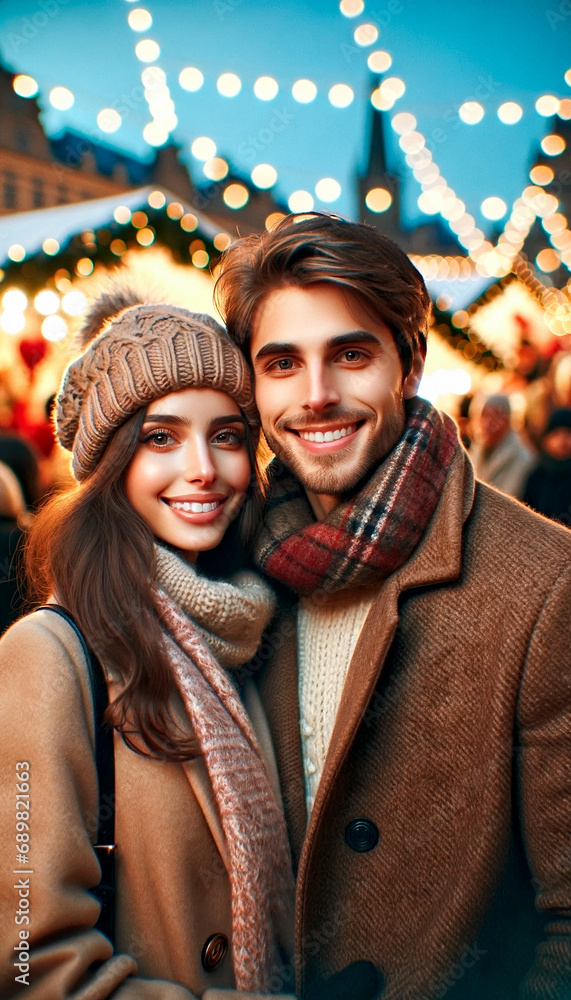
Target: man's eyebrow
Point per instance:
(274, 347)
(353, 337)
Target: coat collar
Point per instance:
(437, 559)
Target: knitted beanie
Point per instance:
(140, 353)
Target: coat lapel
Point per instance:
(436, 560)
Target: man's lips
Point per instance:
(326, 438)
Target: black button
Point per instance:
(214, 951)
(361, 835)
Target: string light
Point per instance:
(61, 98)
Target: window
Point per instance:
(10, 190)
(38, 198)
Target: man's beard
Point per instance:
(334, 475)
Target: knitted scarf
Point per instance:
(368, 536)
(197, 616)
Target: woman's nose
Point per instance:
(199, 466)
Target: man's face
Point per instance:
(329, 387)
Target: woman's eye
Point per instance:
(159, 439)
(229, 436)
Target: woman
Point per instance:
(158, 415)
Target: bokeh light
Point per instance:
(84, 267)
(403, 122)
(341, 95)
(222, 241)
(509, 112)
(139, 19)
(393, 87)
(366, 34)
(236, 196)
(328, 189)
(548, 260)
(12, 322)
(155, 134)
(228, 84)
(25, 86)
(379, 61)
(273, 219)
(547, 105)
(493, 208)
(147, 50)
(352, 8)
(50, 246)
(189, 222)
(304, 91)
(122, 215)
(203, 148)
(266, 88)
(46, 302)
(216, 169)
(471, 112)
(190, 78)
(553, 145)
(541, 175)
(378, 200)
(564, 109)
(156, 199)
(300, 201)
(61, 98)
(14, 300)
(54, 328)
(264, 175)
(109, 120)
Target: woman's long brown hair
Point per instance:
(91, 548)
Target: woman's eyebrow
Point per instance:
(164, 418)
(233, 418)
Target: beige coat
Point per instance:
(453, 737)
(173, 890)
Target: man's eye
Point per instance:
(352, 355)
(282, 364)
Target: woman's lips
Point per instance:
(193, 512)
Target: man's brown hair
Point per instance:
(303, 250)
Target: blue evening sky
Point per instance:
(447, 51)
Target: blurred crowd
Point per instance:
(519, 439)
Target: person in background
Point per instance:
(22, 458)
(499, 455)
(14, 518)
(548, 488)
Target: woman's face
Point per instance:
(189, 475)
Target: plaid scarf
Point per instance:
(368, 536)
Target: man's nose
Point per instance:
(322, 391)
(199, 466)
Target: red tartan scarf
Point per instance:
(369, 535)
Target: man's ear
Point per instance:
(412, 381)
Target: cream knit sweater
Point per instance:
(328, 631)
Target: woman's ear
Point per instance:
(412, 381)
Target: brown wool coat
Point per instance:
(173, 890)
(454, 738)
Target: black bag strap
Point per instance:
(105, 766)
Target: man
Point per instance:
(419, 688)
(499, 455)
